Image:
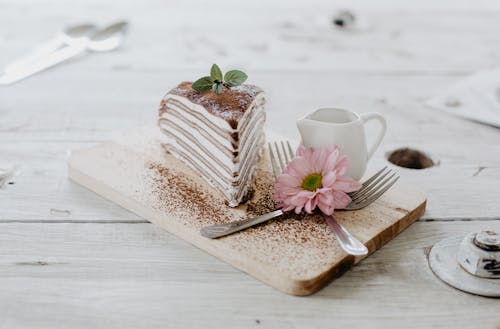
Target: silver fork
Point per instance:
(370, 191)
(346, 240)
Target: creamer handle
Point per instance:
(365, 117)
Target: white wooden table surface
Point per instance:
(70, 259)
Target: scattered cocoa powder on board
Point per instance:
(176, 191)
(179, 192)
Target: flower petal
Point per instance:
(308, 207)
(298, 209)
(319, 157)
(327, 162)
(300, 198)
(326, 196)
(331, 161)
(303, 151)
(326, 208)
(299, 167)
(286, 180)
(346, 184)
(325, 201)
(342, 165)
(332, 148)
(287, 208)
(300, 150)
(341, 199)
(329, 179)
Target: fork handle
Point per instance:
(217, 231)
(347, 241)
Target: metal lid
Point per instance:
(488, 240)
(449, 258)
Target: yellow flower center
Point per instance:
(312, 182)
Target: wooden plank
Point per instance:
(136, 173)
(46, 116)
(41, 191)
(467, 166)
(409, 40)
(30, 138)
(285, 34)
(137, 275)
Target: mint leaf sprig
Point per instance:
(217, 83)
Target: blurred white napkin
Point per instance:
(476, 98)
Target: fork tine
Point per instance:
(370, 200)
(280, 157)
(375, 189)
(281, 161)
(285, 153)
(275, 153)
(372, 180)
(370, 186)
(291, 153)
(369, 180)
(274, 161)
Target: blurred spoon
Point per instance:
(106, 39)
(69, 36)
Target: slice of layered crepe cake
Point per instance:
(221, 137)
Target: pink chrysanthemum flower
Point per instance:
(315, 177)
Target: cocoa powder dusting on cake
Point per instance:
(230, 105)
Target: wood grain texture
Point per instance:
(137, 276)
(40, 140)
(83, 275)
(296, 256)
(276, 35)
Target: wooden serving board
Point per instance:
(295, 254)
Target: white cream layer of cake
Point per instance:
(207, 143)
(224, 150)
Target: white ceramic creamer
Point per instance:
(345, 128)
